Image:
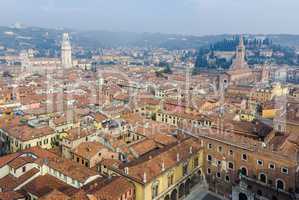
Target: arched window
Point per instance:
(279, 184)
(263, 178)
(244, 171)
(181, 190)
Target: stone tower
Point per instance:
(240, 62)
(66, 52)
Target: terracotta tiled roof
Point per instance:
(163, 139)
(20, 161)
(9, 182)
(88, 149)
(71, 169)
(11, 195)
(152, 166)
(78, 133)
(80, 195)
(26, 133)
(55, 195)
(144, 147)
(114, 190)
(99, 117)
(43, 185)
(111, 163)
(4, 160)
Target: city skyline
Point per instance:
(191, 17)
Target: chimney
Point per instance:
(190, 150)
(178, 157)
(163, 166)
(144, 177)
(126, 170)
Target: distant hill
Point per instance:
(48, 40)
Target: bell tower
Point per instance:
(66, 52)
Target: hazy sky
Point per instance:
(198, 17)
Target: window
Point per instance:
(271, 166)
(208, 171)
(218, 175)
(185, 168)
(244, 171)
(263, 178)
(230, 152)
(244, 157)
(170, 180)
(209, 146)
(220, 149)
(280, 185)
(230, 165)
(78, 160)
(260, 162)
(195, 161)
(24, 169)
(209, 158)
(155, 190)
(218, 162)
(227, 179)
(284, 170)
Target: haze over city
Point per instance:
(197, 17)
(149, 100)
